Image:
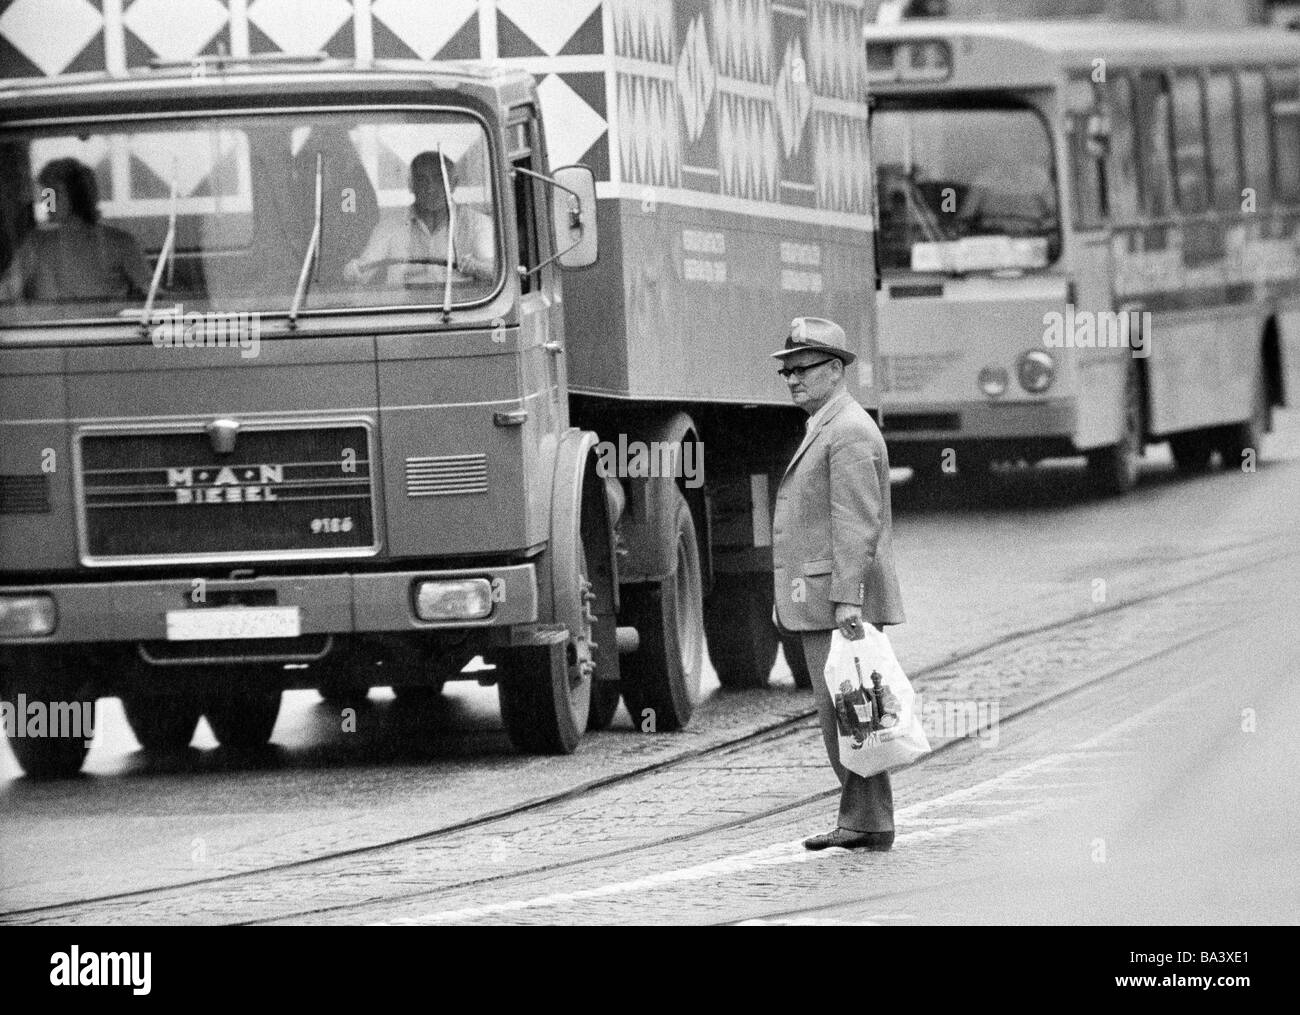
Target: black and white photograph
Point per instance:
(644, 463)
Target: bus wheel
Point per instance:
(738, 623)
(661, 679)
(1115, 468)
(1192, 451)
(792, 646)
(50, 677)
(243, 718)
(1238, 438)
(162, 722)
(604, 703)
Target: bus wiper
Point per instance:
(312, 260)
(164, 259)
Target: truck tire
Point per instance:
(604, 703)
(46, 675)
(163, 723)
(1235, 439)
(545, 691)
(1114, 468)
(738, 623)
(243, 718)
(661, 679)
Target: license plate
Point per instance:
(234, 622)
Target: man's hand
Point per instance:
(848, 618)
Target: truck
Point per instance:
(343, 352)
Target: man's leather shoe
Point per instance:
(879, 842)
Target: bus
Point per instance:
(1088, 241)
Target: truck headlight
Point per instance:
(27, 616)
(457, 599)
(993, 381)
(1036, 370)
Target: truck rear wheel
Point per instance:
(51, 678)
(661, 679)
(738, 622)
(163, 723)
(243, 718)
(604, 703)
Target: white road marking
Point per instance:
(793, 852)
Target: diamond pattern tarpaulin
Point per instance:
(748, 100)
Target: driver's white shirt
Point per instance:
(410, 239)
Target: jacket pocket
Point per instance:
(815, 567)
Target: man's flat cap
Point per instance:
(818, 335)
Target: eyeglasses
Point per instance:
(798, 372)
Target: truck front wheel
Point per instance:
(163, 723)
(47, 684)
(242, 718)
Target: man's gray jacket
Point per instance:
(832, 532)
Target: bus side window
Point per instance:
(1086, 176)
(1189, 144)
(1225, 161)
(1256, 139)
(1123, 178)
(1154, 133)
(1286, 133)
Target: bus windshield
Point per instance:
(964, 187)
(245, 213)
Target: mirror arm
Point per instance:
(525, 272)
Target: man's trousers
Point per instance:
(866, 804)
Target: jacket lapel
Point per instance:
(836, 405)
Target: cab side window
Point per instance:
(1086, 169)
(529, 201)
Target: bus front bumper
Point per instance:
(976, 420)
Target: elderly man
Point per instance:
(411, 248)
(833, 549)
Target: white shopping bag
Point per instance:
(874, 704)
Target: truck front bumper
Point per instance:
(136, 611)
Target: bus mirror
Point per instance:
(1098, 136)
(574, 213)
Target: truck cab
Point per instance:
(283, 399)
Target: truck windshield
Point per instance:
(964, 187)
(86, 209)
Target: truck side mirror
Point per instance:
(574, 212)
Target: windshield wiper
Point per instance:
(164, 259)
(451, 232)
(311, 261)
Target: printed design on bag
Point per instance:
(867, 714)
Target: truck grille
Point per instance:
(290, 491)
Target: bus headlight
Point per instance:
(26, 616)
(1036, 370)
(460, 599)
(993, 381)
